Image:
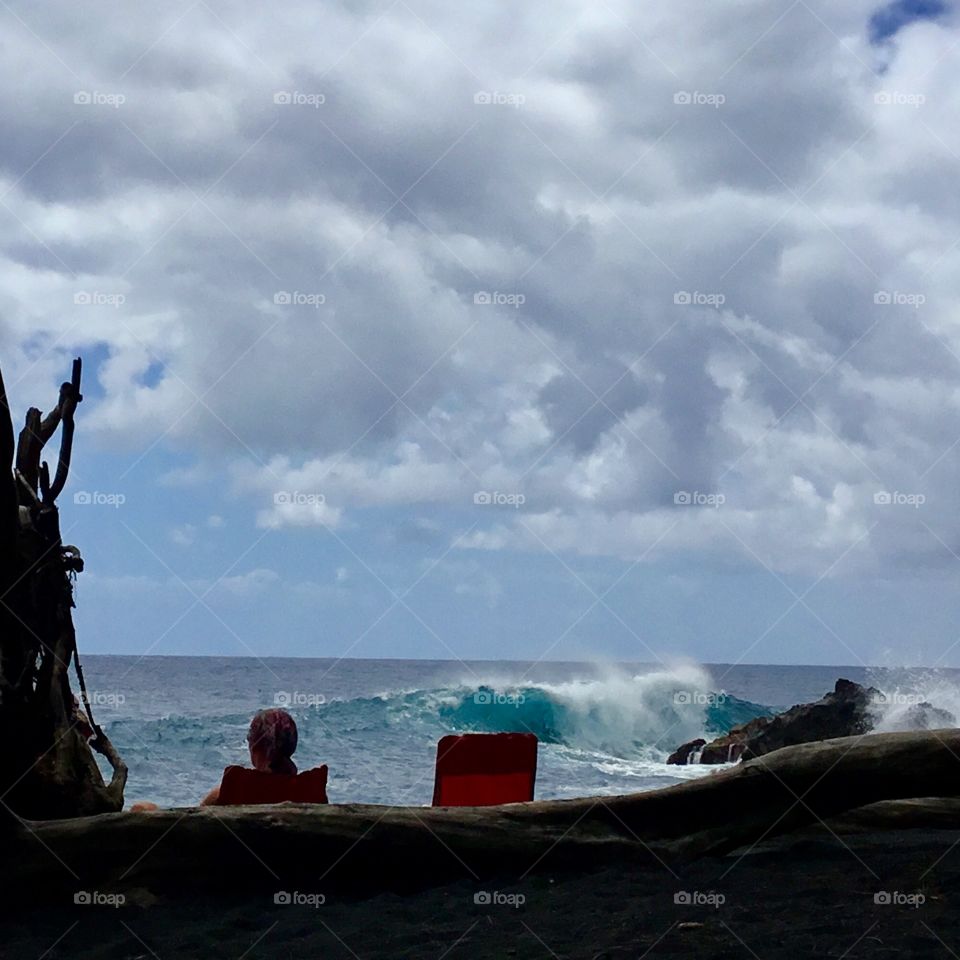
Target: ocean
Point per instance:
(603, 728)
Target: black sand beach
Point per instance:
(814, 896)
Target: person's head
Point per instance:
(272, 740)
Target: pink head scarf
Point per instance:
(274, 732)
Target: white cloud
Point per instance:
(598, 201)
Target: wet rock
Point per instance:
(847, 711)
(730, 747)
(925, 716)
(681, 756)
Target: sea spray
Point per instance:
(901, 689)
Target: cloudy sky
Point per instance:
(569, 330)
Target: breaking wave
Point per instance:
(619, 715)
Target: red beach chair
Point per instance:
(484, 769)
(240, 785)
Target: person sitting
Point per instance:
(272, 740)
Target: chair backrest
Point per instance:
(240, 785)
(483, 769)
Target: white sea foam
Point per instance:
(902, 689)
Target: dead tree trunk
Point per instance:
(47, 768)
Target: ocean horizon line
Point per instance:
(519, 660)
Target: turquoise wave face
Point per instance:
(578, 722)
(731, 712)
(527, 710)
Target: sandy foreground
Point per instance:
(892, 894)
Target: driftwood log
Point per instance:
(931, 813)
(47, 767)
(373, 848)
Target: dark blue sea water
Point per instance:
(604, 729)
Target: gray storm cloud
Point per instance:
(599, 256)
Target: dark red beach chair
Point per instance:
(240, 785)
(483, 769)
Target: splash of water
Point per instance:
(903, 689)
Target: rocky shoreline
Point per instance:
(849, 710)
